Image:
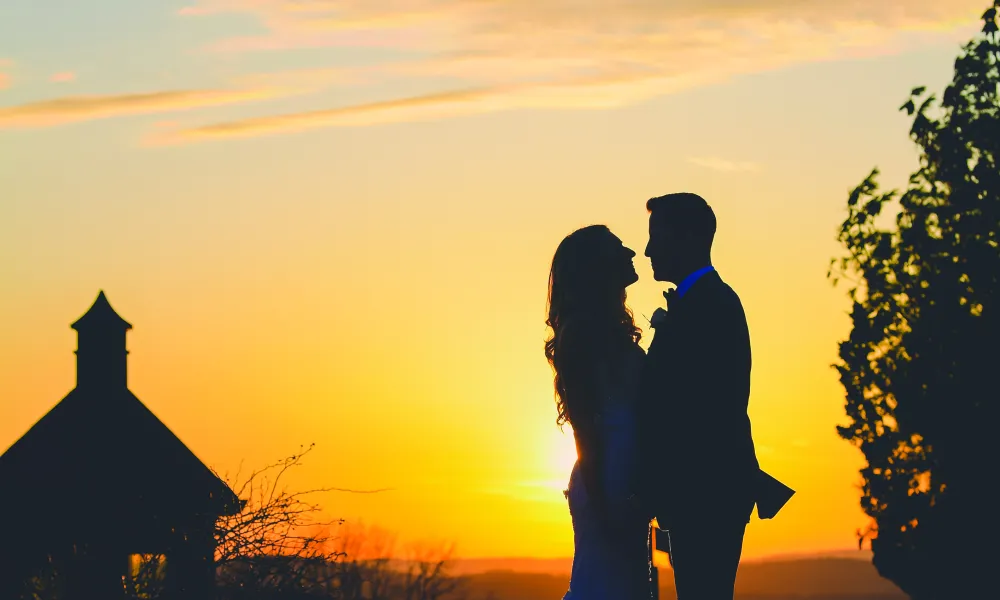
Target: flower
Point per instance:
(659, 316)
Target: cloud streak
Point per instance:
(565, 53)
(565, 27)
(47, 113)
(595, 93)
(254, 88)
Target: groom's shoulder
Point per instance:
(717, 289)
(724, 297)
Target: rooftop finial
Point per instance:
(101, 315)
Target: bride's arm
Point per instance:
(583, 382)
(589, 441)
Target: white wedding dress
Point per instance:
(605, 569)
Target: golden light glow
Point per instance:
(370, 275)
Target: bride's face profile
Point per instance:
(621, 261)
(592, 265)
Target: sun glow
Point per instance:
(562, 453)
(388, 304)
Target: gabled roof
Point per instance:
(109, 454)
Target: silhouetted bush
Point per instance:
(918, 367)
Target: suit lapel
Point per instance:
(686, 318)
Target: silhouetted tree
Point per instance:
(369, 567)
(427, 577)
(918, 365)
(276, 544)
(374, 568)
(279, 549)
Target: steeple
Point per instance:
(101, 355)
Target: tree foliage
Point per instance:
(917, 367)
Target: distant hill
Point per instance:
(563, 565)
(814, 578)
(798, 579)
(541, 566)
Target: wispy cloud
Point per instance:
(71, 109)
(63, 77)
(591, 93)
(475, 57)
(723, 165)
(85, 108)
(566, 25)
(564, 53)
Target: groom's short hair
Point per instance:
(685, 211)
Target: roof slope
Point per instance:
(108, 454)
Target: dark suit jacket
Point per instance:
(695, 434)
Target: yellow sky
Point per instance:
(338, 231)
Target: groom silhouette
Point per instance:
(701, 476)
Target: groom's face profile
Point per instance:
(681, 230)
(665, 250)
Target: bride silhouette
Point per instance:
(596, 357)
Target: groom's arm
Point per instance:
(727, 360)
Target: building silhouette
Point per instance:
(100, 479)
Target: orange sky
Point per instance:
(364, 267)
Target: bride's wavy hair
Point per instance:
(584, 290)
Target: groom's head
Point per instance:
(681, 230)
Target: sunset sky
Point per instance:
(331, 221)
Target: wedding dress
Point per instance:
(603, 568)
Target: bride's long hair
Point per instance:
(586, 293)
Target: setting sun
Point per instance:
(562, 456)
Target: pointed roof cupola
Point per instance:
(101, 315)
(101, 355)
